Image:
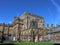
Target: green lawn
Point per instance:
(35, 43)
(31, 43)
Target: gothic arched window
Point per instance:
(33, 24)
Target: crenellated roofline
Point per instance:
(31, 14)
(1, 24)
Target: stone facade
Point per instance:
(33, 25)
(28, 27)
(55, 34)
(25, 27)
(6, 29)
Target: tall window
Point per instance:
(33, 24)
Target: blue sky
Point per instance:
(49, 9)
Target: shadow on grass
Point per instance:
(8, 44)
(56, 44)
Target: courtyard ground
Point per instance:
(31, 43)
(36, 43)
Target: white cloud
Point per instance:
(58, 11)
(56, 5)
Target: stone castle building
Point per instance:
(32, 26)
(27, 27)
(24, 28)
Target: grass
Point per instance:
(31, 43)
(35, 43)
